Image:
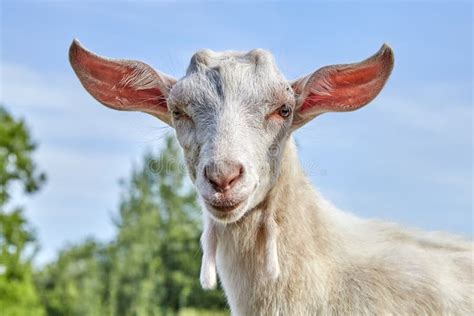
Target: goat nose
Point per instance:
(223, 175)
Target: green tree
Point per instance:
(18, 294)
(77, 282)
(16, 164)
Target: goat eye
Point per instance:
(178, 114)
(284, 110)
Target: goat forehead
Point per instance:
(218, 78)
(258, 59)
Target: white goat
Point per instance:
(279, 247)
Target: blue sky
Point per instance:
(407, 157)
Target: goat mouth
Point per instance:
(224, 207)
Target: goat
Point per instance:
(279, 247)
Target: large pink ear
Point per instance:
(125, 85)
(341, 88)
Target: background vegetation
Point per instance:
(151, 267)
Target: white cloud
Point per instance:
(447, 120)
(22, 86)
(438, 108)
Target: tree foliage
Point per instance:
(16, 163)
(76, 283)
(18, 295)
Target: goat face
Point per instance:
(232, 113)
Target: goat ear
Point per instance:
(341, 88)
(125, 85)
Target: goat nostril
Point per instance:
(237, 176)
(222, 177)
(213, 183)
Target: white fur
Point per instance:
(208, 275)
